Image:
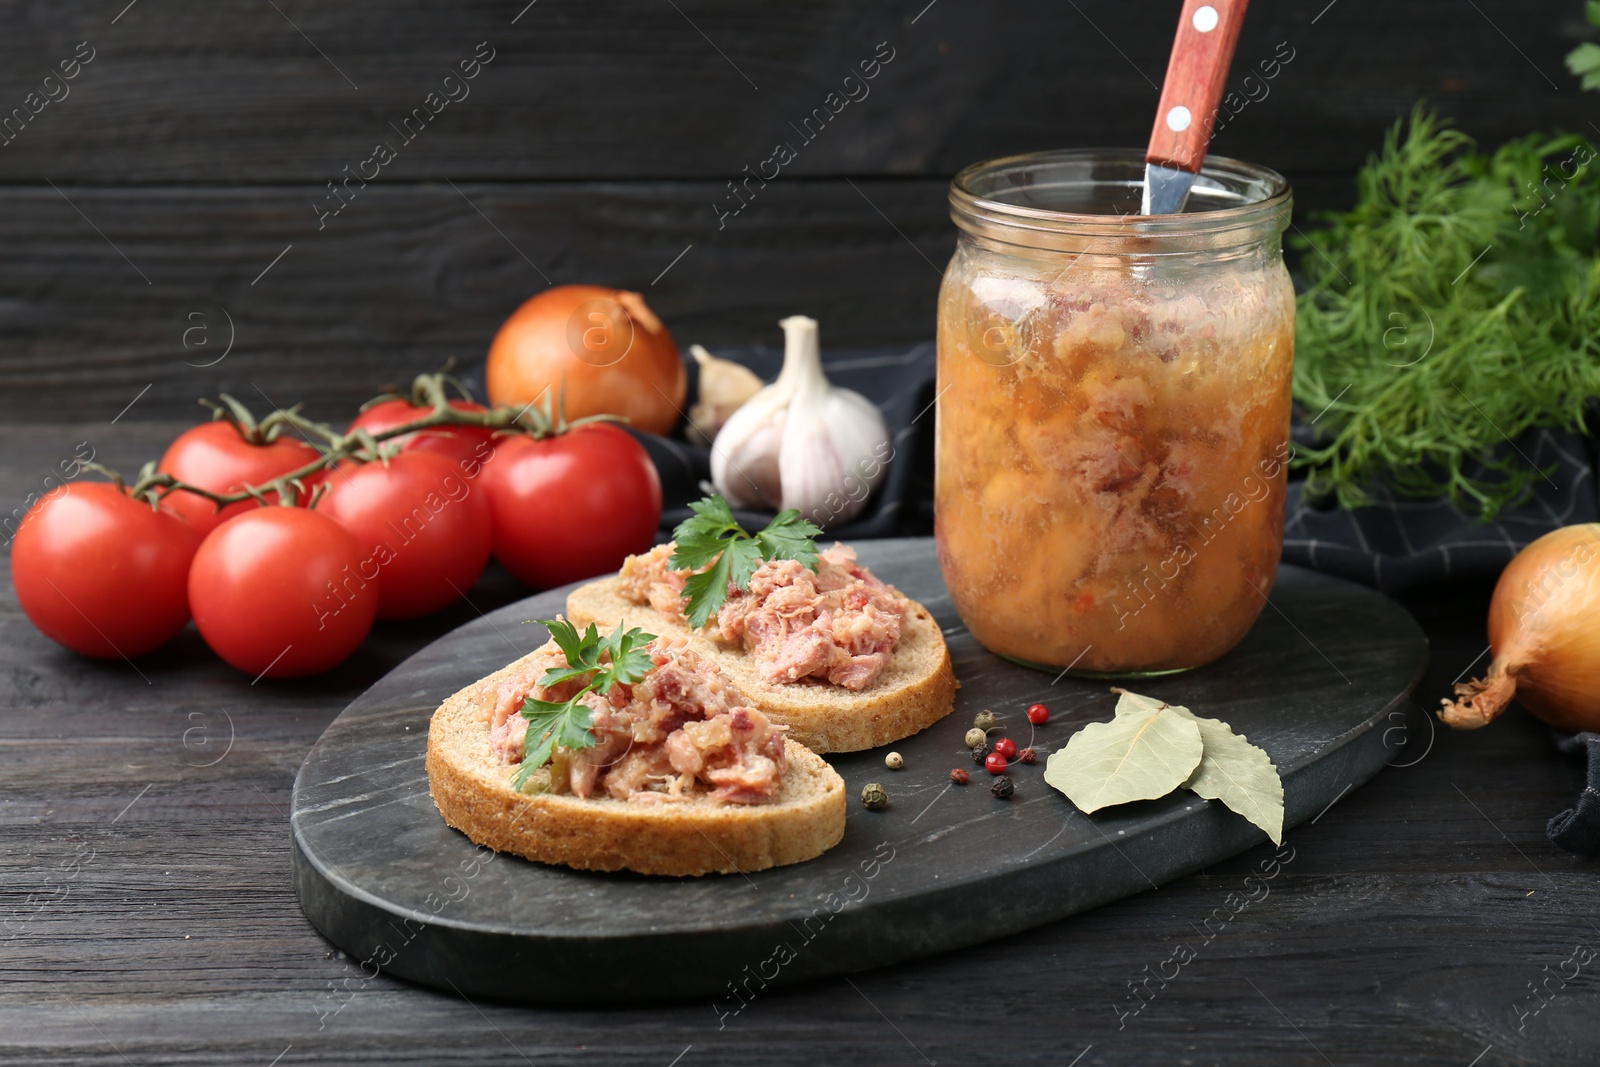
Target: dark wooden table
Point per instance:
(148, 915)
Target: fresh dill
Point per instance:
(1455, 307)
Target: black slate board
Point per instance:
(378, 872)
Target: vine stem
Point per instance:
(360, 443)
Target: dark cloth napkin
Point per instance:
(1398, 542)
(1578, 828)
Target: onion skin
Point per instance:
(1544, 631)
(606, 347)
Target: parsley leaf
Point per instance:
(550, 724)
(788, 536)
(629, 660)
(564, 674)
(572, 646)
(701, 539)
(708, 589)
(568, 723)
(1584, 61)
(713, 536)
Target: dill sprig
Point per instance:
(1455, 307)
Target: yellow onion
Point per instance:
(1544, 631)
(601, 349)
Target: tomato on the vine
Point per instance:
(220, 457)
(460, 443)
(573, 505)
(423, 524)
(101, 572)
(278, 592)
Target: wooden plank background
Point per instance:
(143, 213)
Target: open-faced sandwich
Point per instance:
(622, 750)
(813, 639)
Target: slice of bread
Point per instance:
(472, 790)
(916, 691)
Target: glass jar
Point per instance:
(1113, 411)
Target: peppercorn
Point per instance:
(874, 796)
(894, 761)
(980, 754)
(958, 776)
(976, 737)
(984, 720)
(1003, 787)
(994, 763)
(1006, 747)
(1038, 714)
(1027, 755)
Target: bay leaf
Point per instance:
(1237, 773)
(1146, 752)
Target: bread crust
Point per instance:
(916, 691)
(473, 791)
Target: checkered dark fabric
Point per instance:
(1398, 542)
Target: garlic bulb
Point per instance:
(801, 442)
(724, 387)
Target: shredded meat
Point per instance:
(506, 727)
(838, 623)
(646, 580)
(678, 732)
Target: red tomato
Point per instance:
(572, 506)
(102, 573)
(424, 525)
(456, 442)
(215, 456)
(278, 592)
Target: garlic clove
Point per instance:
(725, 386)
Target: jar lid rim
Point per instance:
(1263, 195)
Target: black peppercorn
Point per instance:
(980, 754)
(1003, 787)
